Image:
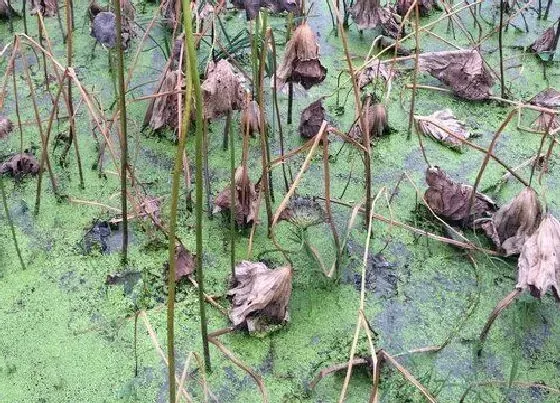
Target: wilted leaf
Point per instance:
(373, 71)
(222, 91)
(368, 14)
(375, 118)
(546, 121)
(20, 164)
(251, 116)
(303, 212)
(539, 261)
(184, 262)
(261, 296)
(252, 7)
(162, 110)
(462, 70)
(544, 42)
(247, 199)
(424, 6)
(47, 8)
(6, 126)
(6, 11)
(450, 200)
(104, 30)
(301, 60)
(517, 220)
(311, 119)
(439, 124)
(549, 98)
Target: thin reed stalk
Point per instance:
(10, 222)
(233, 201)
(415, 74)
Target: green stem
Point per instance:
(123, 134)
(187, 23)
(233, 200)
(10, 222)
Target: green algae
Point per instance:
(69, 337)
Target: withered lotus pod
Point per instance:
(548, 98)
(222, 91)
(539, 262)
(439, 124)
(184, 262)
(424, 6)
(250, 116)
(301, 60)
(261, 296)
(375, 118)
(47, 8)
(450, 200)
(311, 119)
(517, 220)
(303, 212)
(544, 42)
(247, 199)
(6, 127)
(374, 70)
(20, 164)
(462, 70)
(6, 10)
(368, 14)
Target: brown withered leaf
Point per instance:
(424, 6)
(435, 124)
(301, 60)
(539, 262)
(6, 127)
(544, 42)
(517, 220)
(247, 199)
(162, 110)
(261, 296)
(19, 165)
(311, 119)
(6, 10)
(250, 116)
(47, 8)
(548, 98)
(103, 29)
(546, 121)
(221, 91)
(373, 71)
(184, 262)
(368, 14)
(375, 118)
(252, 7)
(462, 70)
(450, 200)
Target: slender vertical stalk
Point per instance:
(327, 179)
(23, 9)
(226, 131)
(10, 222)
(187, 24)
(500, 47)
(206, 167)
(45, 74)
(415, 74)
(233, 201)
(10, 17)
(123, 133)
(547, 9)
(290, 23)
(13, 68)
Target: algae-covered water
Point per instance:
(67, 336)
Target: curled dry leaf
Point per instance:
(462, 70)
(47, 8)
(375, 118)
(20, 164)
(303, 212)
(539, 262)
(368, 14)
(517, 220)
(549, 98)
(544, 42)
(439, 124)
(301, 60)
(6, 10)
(311, 119)
(250, 116)
(261, 296)
(184, 262)
(450, 200)
(222, 91)
(247, 199)
(373, 71)
(162, 110)
(6, 127)
(252, 7)
(424, 6)
(546, 121)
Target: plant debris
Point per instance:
(368, 14)
(545, 42)
(373, 71)
(303, 212)
(252, 7)
(516, 221)
(301, 60)
(439, 124)
(375, 118)
(250, 118)
(6, 127)
(19, 165)
(450, 200)
(424, 6)
(47, 8)
(222, 91)
(546, 121)
(462, 70)
(261, 296)
(162, 110)
(311, 119)
(184, 262)
(548, 98)
(6, 10)
(539, 261)
(247, 199)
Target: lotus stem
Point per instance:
(192, 61)
(10, 222)
(39, 27)
(24, 16)
(123, 133)
(206, 167)
(16, 102)
(500, 47)
(233, 201)
(415, 74)
(289, 27)
(226, 131)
